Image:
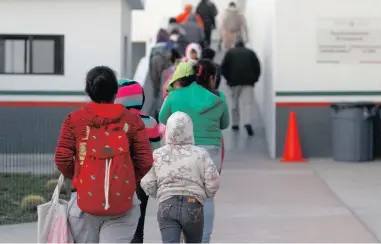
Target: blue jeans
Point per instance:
(215, 154)
(180, 213)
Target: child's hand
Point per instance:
(162, 130)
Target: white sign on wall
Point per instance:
(349, 41)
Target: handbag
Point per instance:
(52, 224)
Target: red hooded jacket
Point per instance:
(74, 129)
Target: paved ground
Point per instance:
(262, 200)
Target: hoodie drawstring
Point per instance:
(107, 182)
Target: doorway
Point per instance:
(126, 60)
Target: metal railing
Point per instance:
(28, 136)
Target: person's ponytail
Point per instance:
(204, 70)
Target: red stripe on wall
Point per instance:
(302, 104)
(41, 104)
(80, 104)
(307, 104)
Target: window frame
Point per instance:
(59, 52)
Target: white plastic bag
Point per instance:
(52, 224)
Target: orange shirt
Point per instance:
(183, 17)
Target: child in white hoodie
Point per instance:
(193, 53)
(181, 178)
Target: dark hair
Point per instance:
(174, 55)
(186, 81)
(101, 84)
(208, 53)
(172, 20)
(239, 41)
(175, 31)
(204, 70)
(162, 36)
(240, 44)
(232, 4)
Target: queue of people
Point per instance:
(191, 23)
(185, 38)
(231, 24)
(117, 157)
(113, 155)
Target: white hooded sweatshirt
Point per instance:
(180, 168)
(190, 47)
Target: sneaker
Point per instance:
(137, 240)
(249, 130)
(235, 128)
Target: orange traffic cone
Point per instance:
(293, 149)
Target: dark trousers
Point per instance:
(181, 214)
(139, 233)
(208, 35)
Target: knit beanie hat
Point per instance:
(130, 94)
(183, 69)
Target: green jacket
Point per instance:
(209, 112)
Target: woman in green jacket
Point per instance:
(208, 110)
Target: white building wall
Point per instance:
(284, 33)
(126, 40)
(298, 24)
(145, 23)
(92, 37)
(260, 18)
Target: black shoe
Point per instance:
(249, 130)
(235, 128)
(137, 240)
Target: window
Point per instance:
(31, 54)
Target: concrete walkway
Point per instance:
(262, 200)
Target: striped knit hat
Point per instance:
(130, 94)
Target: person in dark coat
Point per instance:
(159, 60)
(173, 25)
(193, 31)
(208, 12)
(241, 69)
